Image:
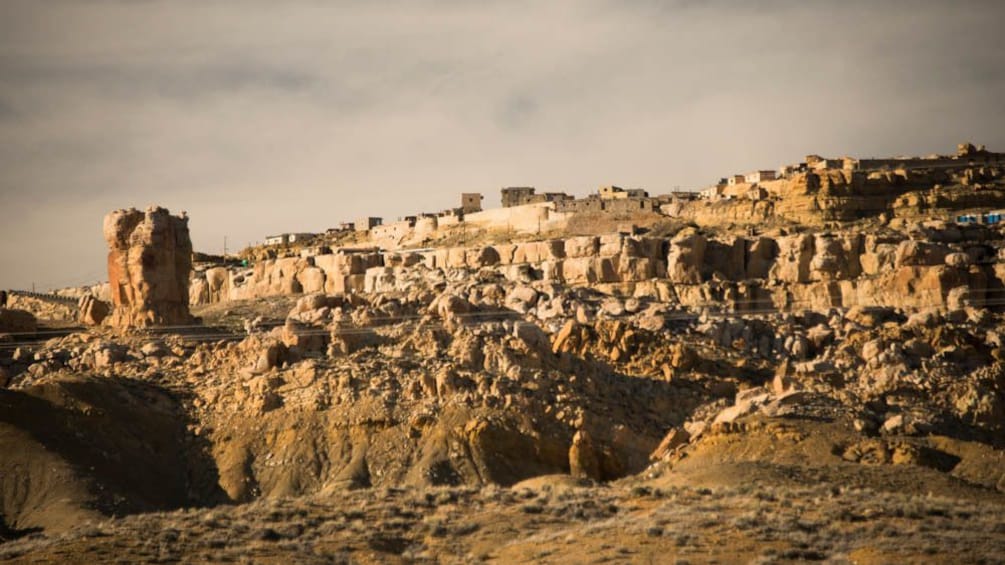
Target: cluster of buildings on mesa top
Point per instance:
(614, 199)
(750, 184)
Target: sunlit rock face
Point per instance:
(149, 264)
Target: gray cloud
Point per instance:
(134, 79)
(258, 116)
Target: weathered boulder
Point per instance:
(198, 292)
(211, 287)
(686, 257)
(584, 246)
(91, 311)
(634, 269)
(149, 261)
(795, 253)
(584, 461)
(675, 438)
(835, 258)
(301, 336)
(760, 257)
(878, 256)
(521, 298)
(483, 257)
(533, 337)
(312, 279)
(920, 253)
(17, 321)
(959, 260)
(538, 251)
(589, 270)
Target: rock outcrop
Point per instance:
(91, 310)
(17, 321)
(149, 263)
(776, 272)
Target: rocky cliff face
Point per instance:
(836, 195)
(149, 263)
(928, 267)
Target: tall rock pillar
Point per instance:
(149, 263)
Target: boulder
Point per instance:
(686, 257)
(521, 298)
(303, 337)
(17, 321)
(610, 245)
(585, 246)
(795, 254)
(484, 257)
(635, 269)
(911, 253)
(533, 337)
(584, 461)
(959, 260)
(835, 258)
(311, 279)
(612, 307)
(108, 354)
(675, 438)
(871, 350)
(217, 284)
(451, 307)
(869, 316)
(155, 349)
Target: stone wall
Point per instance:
(394, 231)
(529, 218)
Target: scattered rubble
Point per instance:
(798, 372)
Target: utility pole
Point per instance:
(224, 248)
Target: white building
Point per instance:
(759, 176)
(287, 238)
(711, 193)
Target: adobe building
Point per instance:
(555, 197)
(759, 176)
(288, 238)
(394, 230)
(517, 196)
(712, 193)
(471, 202)
(617, 193)
(367, 223)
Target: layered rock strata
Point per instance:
(942, 267)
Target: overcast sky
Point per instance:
(257, 116)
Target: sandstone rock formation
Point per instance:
(695, 268)
(91, 311)
(149, 262)
(388, 404)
